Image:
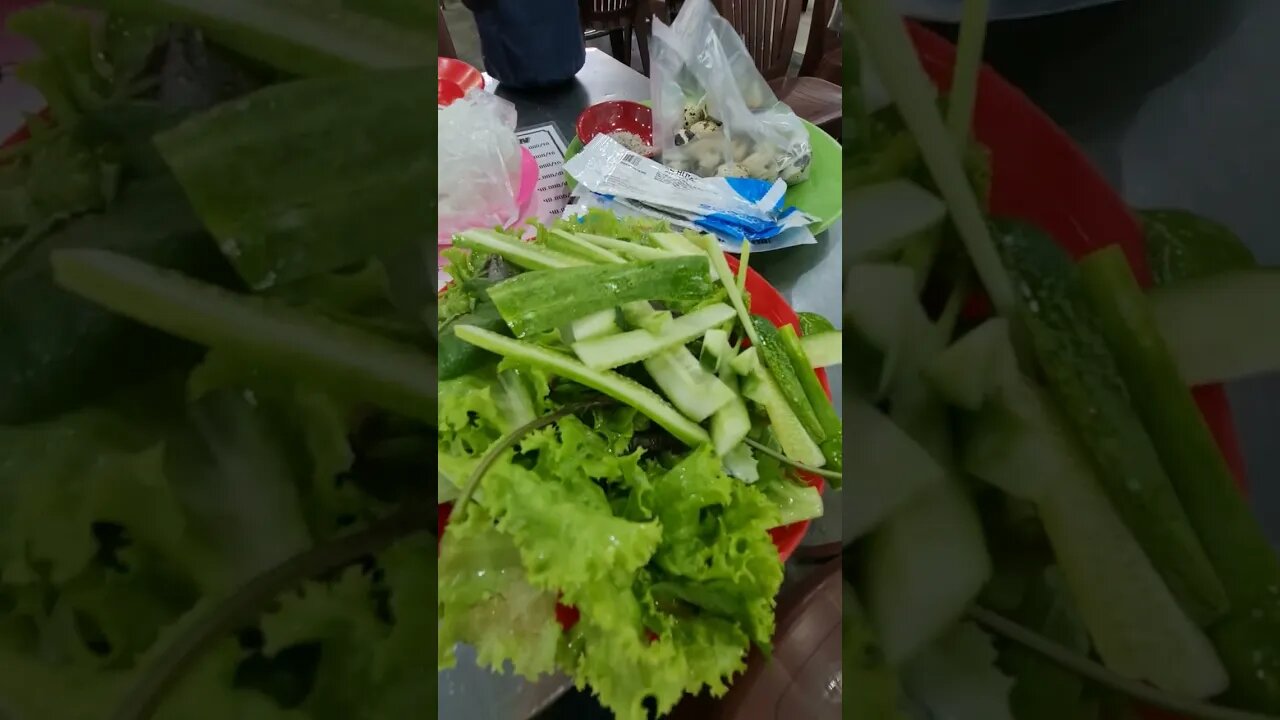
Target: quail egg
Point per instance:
(682, 137)
(732, 170)
(694, 112)
(797, 170)
(761, 164)
(704, 128)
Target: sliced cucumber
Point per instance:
(795, 440)
(657, 322)
(571, 244)
(675, 243)
(456, 358)
(1084, 380)
(813, 324)
(731, 423)
(741, 463)
(636, 313)
(881, 303)
(526, 255)
(694, 391)
(397, 377)
(1184, 246)
(612, 384)
(716, 350)
(635, 251)
(604, 353)
(720, 268)
(888, 471)
(888, 214)
(925, 564)
(828, 418)
(1136, 624)
(796, 501)
(1232, 537)
(746, 362)
(597, 324)
(779, 364)
(542, 300)
(823, 349)
(978, 364)
(1222, 328)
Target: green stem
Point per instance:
(506, 442)
(891, 49)
(1086, 668)
(964, 80)
(164, 672)
(829, 474)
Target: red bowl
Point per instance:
(1039, 175)
(454, 70)
(614, 116)
(447, 91)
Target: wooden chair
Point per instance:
(769, 29)
(823, 53)
(621, 20)
(444, 42)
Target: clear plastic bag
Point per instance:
(713, 113)
(478, 164)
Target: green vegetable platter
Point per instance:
(218, 397)
(1043, 514)
(819, 196)
(633, 437)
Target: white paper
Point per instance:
(548, 147)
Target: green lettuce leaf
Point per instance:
(410, 576)
(64, 72)
(486, 600)
(35, 688)
(315, 428)
(235, 480)
(88, 468)
(627, 653)
(715, 533)
(565, 528)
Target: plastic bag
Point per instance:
(713, 113)
(478, 165)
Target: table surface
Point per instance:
(808, 276)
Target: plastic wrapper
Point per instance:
(478, 166)
(714, 114)
(735, 210)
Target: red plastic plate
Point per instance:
(454, 70)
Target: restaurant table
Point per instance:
(808, 277)
(1177, 103)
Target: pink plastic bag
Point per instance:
(479, 165)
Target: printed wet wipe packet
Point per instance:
(735, 210)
